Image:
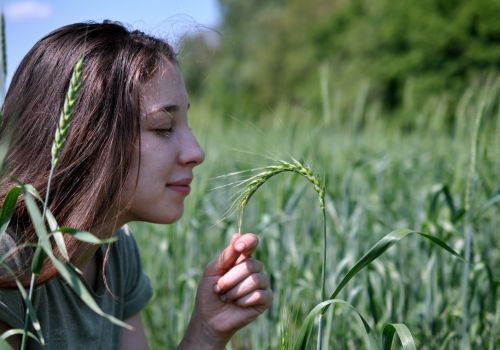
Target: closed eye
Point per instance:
(163, 131)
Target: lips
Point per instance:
(181, 186)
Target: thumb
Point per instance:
(225, 260)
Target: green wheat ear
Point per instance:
(258, 180)
(255, 182)
(67, 112)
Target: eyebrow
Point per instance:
(166, 108)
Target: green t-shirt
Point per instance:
(67, 323)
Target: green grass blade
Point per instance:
(403, 333)
(32, 314)
(65, 270)
(36, 219)
(85, 236)
(29, 306)
(51, 220)
(75, 282)
(489, 204)
(17, 331)
(4, 345)
(58, 238)
(302, 340)
(8, 207)
(440, 243)
(40, 229)
(446, 343)
(445, 192)
(379, 248)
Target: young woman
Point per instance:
(129, 156)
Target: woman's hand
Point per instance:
(233, 291)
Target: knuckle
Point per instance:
(250, 265)
(256, 281)
(253, 265)
(230, 295)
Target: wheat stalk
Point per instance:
(268, 172)
(59, 140)
(67, 112)
(256, 181)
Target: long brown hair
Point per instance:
(96, 157)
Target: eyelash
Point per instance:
(164, 132)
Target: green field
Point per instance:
(408, 137)
(436, 177)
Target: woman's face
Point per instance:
(160, 179)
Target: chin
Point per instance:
(154, 215)
(170, 218)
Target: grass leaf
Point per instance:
(51, 220)
(75, 282)
(403, 333)
(85, 236)
(8, 207)
(17, 331)
(4, 345)
(29, 306)
(32, 313)
(65, 270)
(379, 248)
(302, 339)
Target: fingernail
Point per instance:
(216, 289)
(223, 298)
(240, 247)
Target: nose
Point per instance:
(191, 153)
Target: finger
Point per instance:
(246, 244)
(251, 283)
(237, 274)
(261, 297)
(225, 259)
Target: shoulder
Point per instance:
(134, 284)
(124, 259)
(125, 244)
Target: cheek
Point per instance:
(157, 153)
(156, 164)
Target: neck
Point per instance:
(86, 260)
(87, 251)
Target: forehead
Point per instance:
(166, 87)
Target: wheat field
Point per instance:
(438, 178)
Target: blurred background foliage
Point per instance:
(394, 54)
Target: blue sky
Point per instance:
(29, 20)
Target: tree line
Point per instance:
(265, 54)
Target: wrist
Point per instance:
(200, 337)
